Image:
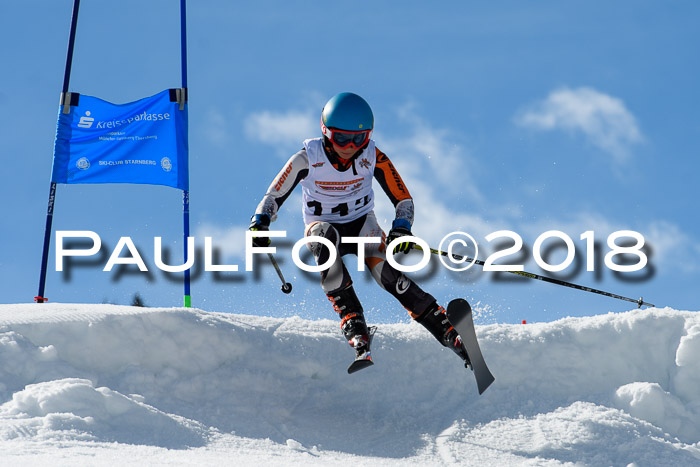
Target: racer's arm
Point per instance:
(294, 171)
(394, 187)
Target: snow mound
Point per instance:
(609, 389)
(74, 408)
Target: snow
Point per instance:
(106, 385)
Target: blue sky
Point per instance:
(528, 117)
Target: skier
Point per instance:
(336, 172)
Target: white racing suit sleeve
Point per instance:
(294, 171)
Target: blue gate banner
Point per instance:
(139, 142)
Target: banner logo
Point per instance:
(86, 121)
(83, 163)
(166, 164)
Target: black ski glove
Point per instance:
(260, 222)
(400, 228)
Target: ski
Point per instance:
(363, 359)
(459, 313)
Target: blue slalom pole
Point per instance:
(185, 193)
(65, 101)
(183, 40)
(186, 234)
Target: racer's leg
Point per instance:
(337, 285)
(408, 293)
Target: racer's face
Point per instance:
(346, 152)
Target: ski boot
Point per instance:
(435, 320)
(353, 325)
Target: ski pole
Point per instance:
(551, 280)
(286, 286)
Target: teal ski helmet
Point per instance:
(346, 111)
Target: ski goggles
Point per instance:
(343, 139)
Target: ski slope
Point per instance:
(106, 384)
